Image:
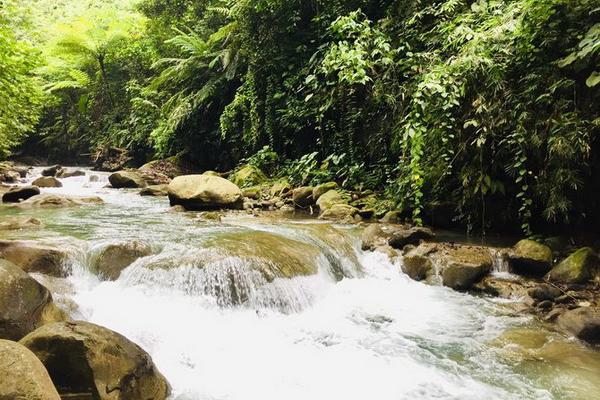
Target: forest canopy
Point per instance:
(487, 108)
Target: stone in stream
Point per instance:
(24, 377)
(51, 171)
(94, 362)
(331, 198)
(302, 196)
(341, 212)
(402, 237)
(580, 267)
(64, 173)
(20, 193)
(47, 182)
(582, 322)
(465, 266)
(204, 192)
(417, 266)
(543, 292)
(115, 257)
(47, 200)
(127, 179)
(24, 303)
(17, 223)
(530, 258)
(33, 257)
(155, 190)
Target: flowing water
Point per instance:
(215, 308)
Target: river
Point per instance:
(357, 328)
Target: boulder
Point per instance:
(51, 171)
(331, 197)
(64, 173)
(323, 188)
(20, 193)
(544, 292)
(33, 257)
(372, 237)
(280, 188)
(115, 257)
(248, 175)
(582, 322)
(16, 223)
(253, 192)
(417, 266)
(580, 267)
(24, 377)
(155, 190)
(202, 192)
(503, 287)
(465, 265)
(47, 182)
(341, 212)
(530, 258)
(47, 200)
(93, 362)
(11, 173)
(127, 179)
(302, 196)
(402, 237)
(24, 303)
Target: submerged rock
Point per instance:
(24, 303)
(503, 287)
(204, 192)
(47, 200)
(127, 179)
(20, 193)
(155, 190)
(95, 362)
(34, 257)
(16, 223)
(529, 257)
(582, 322)
(114, 258)
(24, 377)
(402, 237)
(248, 175)
(580, 267)
(47, 182)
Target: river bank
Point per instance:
(263, 292)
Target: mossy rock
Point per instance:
(280, 187)
(529, 257)
(323, 188)
(302, 196)
(417, 266)
(342, 213)
(332, 197)
(580, 267)
(248, 175)
(253, 192)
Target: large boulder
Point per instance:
(90, 361)
(580, 267)
(531, 258)
(204, 192)
(24, 377)
(417, 266)
(34, 257)
(330, 198)
(373, 236)
(323, 188)
(155, 190)
(17, 223)
(11, 173)
(48, 200)
(248, 175)
(465, 265)
(402, 237)
(127, 179)
(582, 322)
(47, 182)
(51, 171)
(24, 303)
(20, 193)
(302, 196)
(115, 257)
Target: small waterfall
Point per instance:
(499, 261)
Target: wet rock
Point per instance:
(24, 377)
(580, 267)
(20, 193)
(302, 196)
(388, 251)
(417, 266)
(544, 292)
(341, 212)
(33, 257)
(11, 173)
(392, 217)
(582, 322)
(287, 210)
(530, 258)
(545, 305)
(502, 287)
(210, 216)
(64, 173)
(155, 190)
(323, 188)
(51, 171)
(114, 258)
(204, 192)
(248, 175)
(414, 235)
(373, 236)
(47, 200)
(330, 198)
(96, 363)
(463, 266)
(127, 179)
(24, 303)
(47, 182)
(16, 223)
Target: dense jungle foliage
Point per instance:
(489, 109)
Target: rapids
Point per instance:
(216, 310)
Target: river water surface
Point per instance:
(357, 328)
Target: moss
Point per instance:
(579, 267)
(248, 175)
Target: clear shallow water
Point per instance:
(358, 328)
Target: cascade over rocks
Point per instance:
(34, 257)
(115, 257)
(20, 193)
(530, 258)
(580, 267)
(95, 362)
(24, 377)
(47, 182)
(582, 322)
(127, 179)
(204, 192)
(24, 304)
